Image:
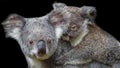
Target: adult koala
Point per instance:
(35, 36)
(91, 43)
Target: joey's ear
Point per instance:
(88, 12)
(58, 5)
(13, 25)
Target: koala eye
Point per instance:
(31, 42)
(73, 27)
(49, 41)
(93, 14)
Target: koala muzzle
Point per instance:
(41, 48)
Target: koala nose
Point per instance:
(41, 47)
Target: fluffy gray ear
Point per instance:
(12, 26)
(58, 5)
(88, 12)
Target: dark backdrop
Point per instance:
(11, 55)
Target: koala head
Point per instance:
(70, 20)
(35, 35)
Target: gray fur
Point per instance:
(65, 47)
(38, 28)
(32, 28)
(95, 43)
(28, 32)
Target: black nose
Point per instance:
(41, 47)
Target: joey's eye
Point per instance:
(31, 42)
(49, 41)
(93, 14)
(73, 27)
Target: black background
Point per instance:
(10, 53)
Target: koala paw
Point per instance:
(60, 61)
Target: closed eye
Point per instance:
(73, 27)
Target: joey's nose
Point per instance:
(41, 47)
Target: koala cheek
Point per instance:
(50, 49)
(33, 51)
(73, 34)
(70, 34)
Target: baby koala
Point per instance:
(35, 36)
(76, 25)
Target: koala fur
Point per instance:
(63, 48)
(28, 31)
(90, 42)
(36, 37)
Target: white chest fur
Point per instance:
(33, 63)
(84, 31)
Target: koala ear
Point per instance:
(88, 12)
(58, 5)
(12, 25)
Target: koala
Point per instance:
(90, 42)
(63, 48)
(37, 40)
(35, 36)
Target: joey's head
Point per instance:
(69, 21)
(35, 35)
